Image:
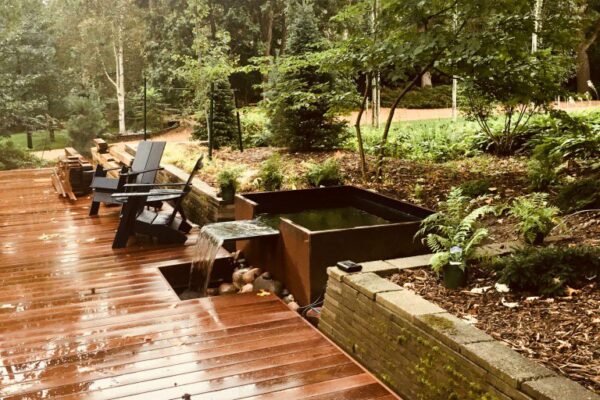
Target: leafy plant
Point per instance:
(548, 270)
(254, 129)
(270, 175)
(453, 233)
(578, 195)
(476, 187)
(228, 178)
(327, 173)
(542, 170)
(12, 157)
(536, 217)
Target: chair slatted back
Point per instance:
(147, 156)
(187, 188)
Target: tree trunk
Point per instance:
(269, 30)
(583, 68)
(284, 35)
(120, 80)
(583, 61)
(388, 123)
(426, 80)
(361, 150)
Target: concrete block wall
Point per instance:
(201, 205)
(423, 352)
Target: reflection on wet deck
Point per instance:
(81, 320)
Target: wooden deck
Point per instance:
(80, 320)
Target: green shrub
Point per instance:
(301, 98)
(536, 217)
(225, 132)
(254, 129)
(270, 175)
(228, 178)
(12, 157)
(326, 174)
(579, 195)
(476, 187)
(547, 271)
(439, 96)
(86, 122)
(453, 233)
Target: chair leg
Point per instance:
(94, 208)
(126, 224)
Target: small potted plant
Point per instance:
(228, 184)
(453, 235)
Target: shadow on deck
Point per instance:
(81, 320)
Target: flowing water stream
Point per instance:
(210, 240)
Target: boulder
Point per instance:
(265, 282)
(227, 288)
(251, 275)
(238, 277)
(247, 288)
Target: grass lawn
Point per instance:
(41, 140)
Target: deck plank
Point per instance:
(79, 320)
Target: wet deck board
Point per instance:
(81, 320)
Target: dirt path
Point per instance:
(183, 133)
(406, 114)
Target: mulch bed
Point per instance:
(561, 332)
(423, 183)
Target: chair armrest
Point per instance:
(148, 194)
(151, 185)
(112, 169)
(134, 173)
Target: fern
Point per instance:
(536, 217)
(453, 233)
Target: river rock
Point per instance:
(251, 275)
(247, 288)
(189, 294)
(288, 299)
(238, 277)
(265, 282)
(211, 291)
(227, 288)
(293, 306)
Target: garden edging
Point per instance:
(422, 351)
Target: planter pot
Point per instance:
(454, 277)
(227, 194)
(539, 239)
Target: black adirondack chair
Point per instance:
(167, 228)
(143, 170)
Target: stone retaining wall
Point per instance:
(423, 352)
(201, 205)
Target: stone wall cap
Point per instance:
(451, 330)
(558, 388)
(504, 362)
(407, 304)
(369, 284)
(411, 262)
